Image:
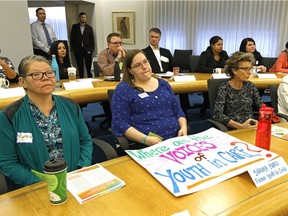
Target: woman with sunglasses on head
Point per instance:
(248, 45)
(143, 105)
(237, 98)
(41, 126)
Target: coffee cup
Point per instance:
(176, 71)
(71, 73)
(217, 70)
(56, 173)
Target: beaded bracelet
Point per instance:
(144, 139)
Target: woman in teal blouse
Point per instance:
(41, 126)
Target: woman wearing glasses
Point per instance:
(41, 126)
(237, 97)
(144, 109)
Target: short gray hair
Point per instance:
(25, 63)
(235, 58)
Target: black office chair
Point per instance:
(274, 101)
(3, 184)
(181, 59)
(269, 62)
(106, 148)
(194, 62)
(104, 104)
(212, 92)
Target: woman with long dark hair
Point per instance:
(61, 50)
(248, 45)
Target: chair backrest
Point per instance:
(122, 141)
(181, 59)
(213, 91)
(110, 95)
(96, 69)
(274, 97)
(3, 184)
(194, 62)
(269, 62)
(102, 151)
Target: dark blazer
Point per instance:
(77, 38)
(167, 66)
(207, 62)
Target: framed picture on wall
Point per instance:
(124, 24)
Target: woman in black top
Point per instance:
(61, 50)
(213, 57)
(248, 45)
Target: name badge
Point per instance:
(24, 137)
(164, 59)
(143, 95)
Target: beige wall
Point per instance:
(15, 34)
(103, 11)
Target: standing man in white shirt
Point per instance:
(42, 34)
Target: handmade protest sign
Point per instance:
(191, 163)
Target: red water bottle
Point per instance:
(263, 134)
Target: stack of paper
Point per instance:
(91, 182)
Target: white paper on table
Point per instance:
(72, 85)
(220, 76)
(91, 182)
(184, 78)
(183, 213)
(12, 92)
(89, 79)
(266, 76)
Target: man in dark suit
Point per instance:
(161, 59)
(82, 44)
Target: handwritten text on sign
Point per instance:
(188, 164)
(263, 173)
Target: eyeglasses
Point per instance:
(40, 75)
(138, 65)
(117, 43)
(245, 68)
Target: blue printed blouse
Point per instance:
(157, 111)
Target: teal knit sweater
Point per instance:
(18, 157)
